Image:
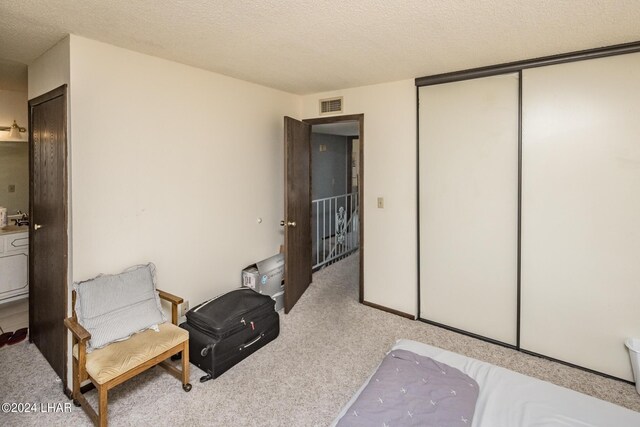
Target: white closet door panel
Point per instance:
(468, 205)
(581, 212)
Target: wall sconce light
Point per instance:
(14, 131)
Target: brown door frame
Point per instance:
(60, 91)
(360, 119)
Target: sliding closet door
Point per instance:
(468, 181)
(581, 212)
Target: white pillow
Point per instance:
(114, 307)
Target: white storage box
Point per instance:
(265, 277)
(633, 345)
(279, 299)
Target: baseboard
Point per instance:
(469, 334)
(522, 350)
(389, 310)
(582, 368)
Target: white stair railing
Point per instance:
(336, 230)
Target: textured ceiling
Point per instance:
(306, 46)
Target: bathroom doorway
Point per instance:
(14, 204)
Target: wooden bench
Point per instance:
(119, 361)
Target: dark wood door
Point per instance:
(297, 208)
(48, 235)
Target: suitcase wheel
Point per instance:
(205, 350)
(206, 378)
(186, 387)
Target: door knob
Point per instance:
(37, 226)
(288, 223)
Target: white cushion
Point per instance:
(113, 307)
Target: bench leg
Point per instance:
(76, 382)
(102, 399)
(185, 366)
(78, 398)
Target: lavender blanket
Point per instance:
(413, 390)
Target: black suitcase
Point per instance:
(225, 330)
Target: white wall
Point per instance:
(174, 165)
(390, 234)
(50, 70)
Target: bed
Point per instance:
(509, 399)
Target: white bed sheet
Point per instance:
(510, 399)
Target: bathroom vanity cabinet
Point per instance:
(14, 265)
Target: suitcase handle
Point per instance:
(242, 347)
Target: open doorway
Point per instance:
(14, 204)
(336, 194)
(33, 186)
(332, 242)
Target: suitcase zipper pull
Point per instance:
(253, 327)
(243, 322)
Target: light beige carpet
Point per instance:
(329, 345)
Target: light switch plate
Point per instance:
(380, 202)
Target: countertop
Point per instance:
(13, 229)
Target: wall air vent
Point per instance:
(331, 105)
